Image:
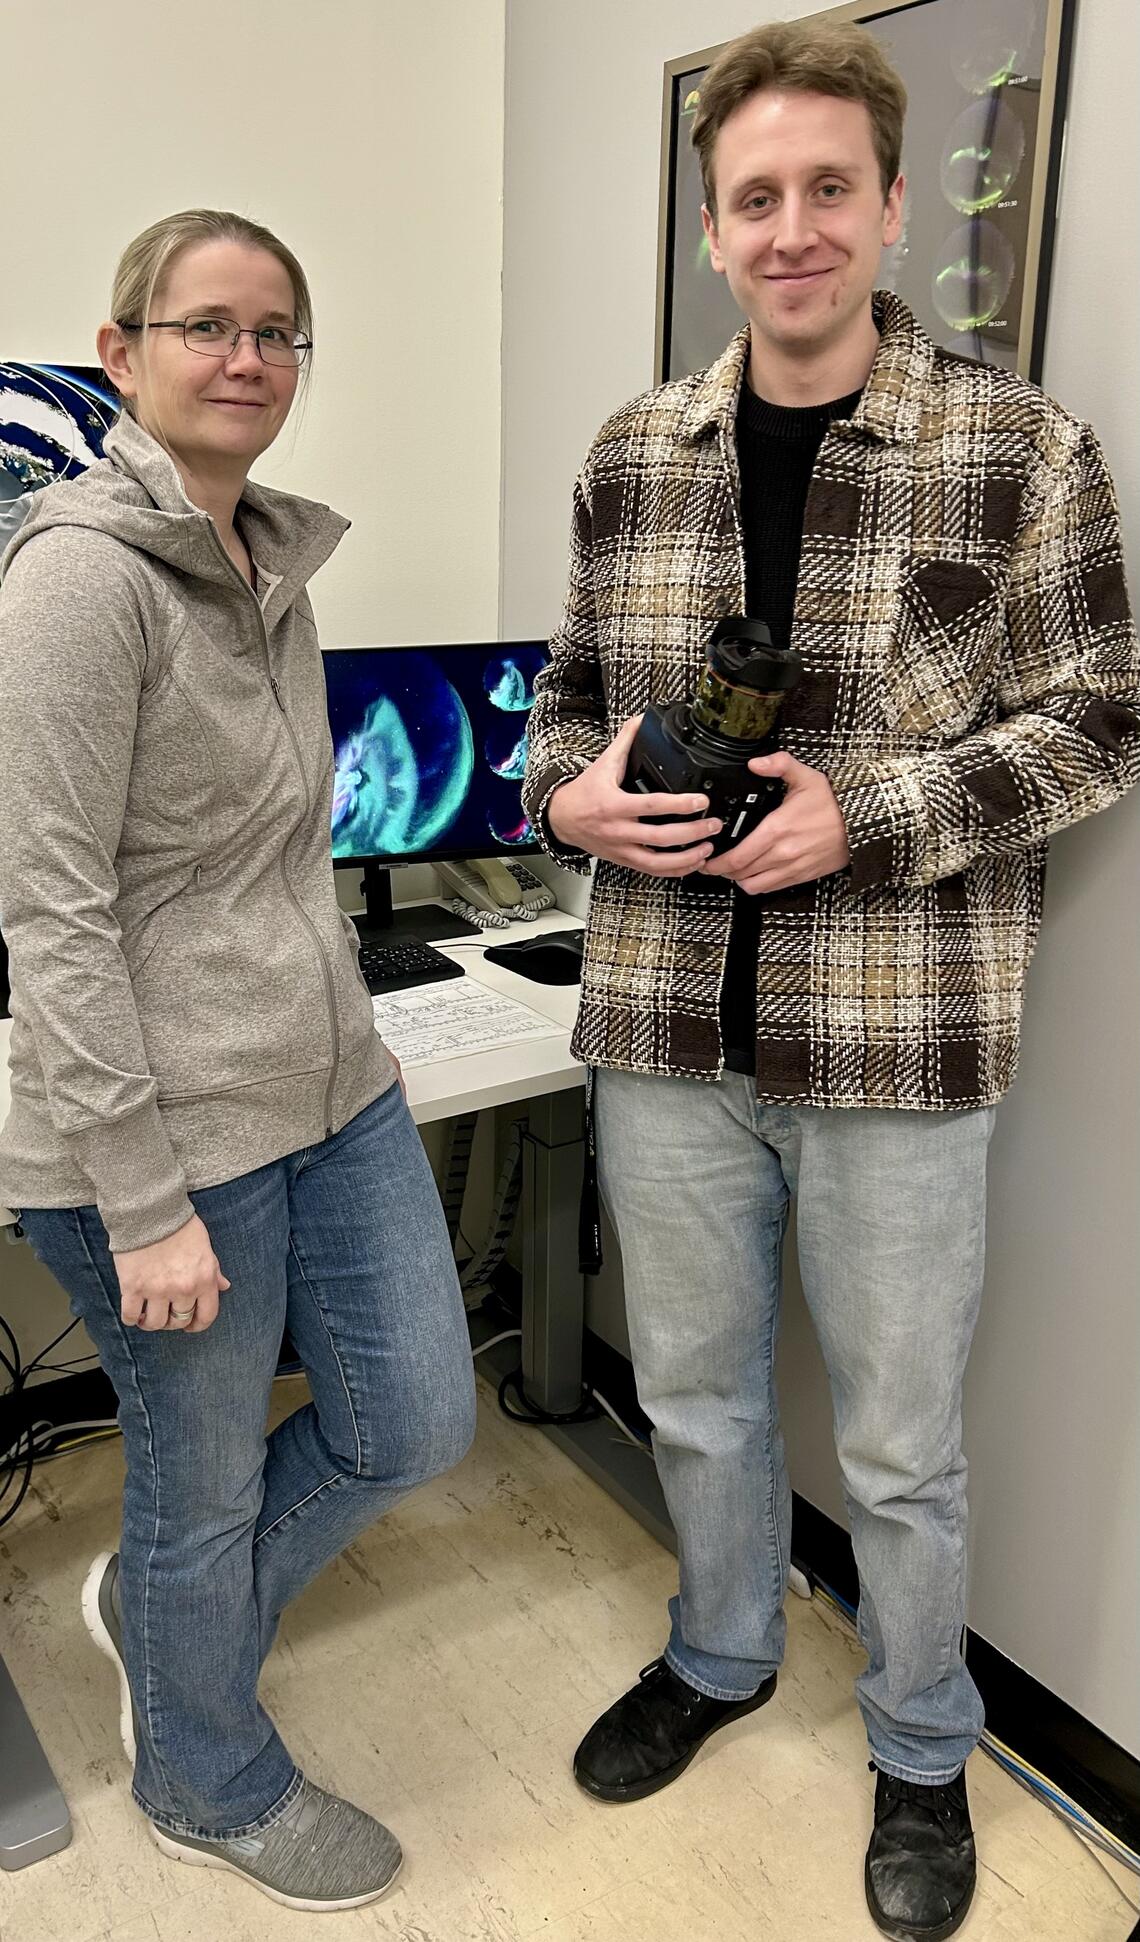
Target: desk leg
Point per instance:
(553, 1292)
(34, 1821)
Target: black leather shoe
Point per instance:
(649, 1735)
(921, 1868)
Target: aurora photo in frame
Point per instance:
(986, 82)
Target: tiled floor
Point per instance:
(440, 1674)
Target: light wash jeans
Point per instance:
(346, 1242)
(891, 1223)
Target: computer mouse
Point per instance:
(555, 958)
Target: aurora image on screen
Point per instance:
(430, 748)
(53, 418)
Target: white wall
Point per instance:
(1054, 1400)
(582, 148)
(368, 134)
(1053, 1412)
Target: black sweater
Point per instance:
(777, 446)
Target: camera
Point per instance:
(703, 746)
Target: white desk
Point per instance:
(532, 1069)
(33, 1815)
(542, 1073)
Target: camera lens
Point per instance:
(746, 679)
(743, 714)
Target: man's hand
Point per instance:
(803, 839)
(172, 1284)
(594, 813)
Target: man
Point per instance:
(831, 1009)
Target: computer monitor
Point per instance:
(430, 746)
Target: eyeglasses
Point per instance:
(219, 337)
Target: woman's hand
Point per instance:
(172, 1284)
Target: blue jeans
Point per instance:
(891, 1225)
(346, 1243)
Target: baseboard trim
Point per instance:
(1072, 1753)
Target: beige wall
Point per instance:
(1054, 1391)
(368, 133)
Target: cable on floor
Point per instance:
(1062, 1804)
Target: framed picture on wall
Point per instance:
(987, 83)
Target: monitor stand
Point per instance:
(383, 922)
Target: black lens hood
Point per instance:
(742, 652)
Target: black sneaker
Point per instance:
(921, 1868)
(649, 1735)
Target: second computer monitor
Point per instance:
(430, 745)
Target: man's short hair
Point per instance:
(814, 57)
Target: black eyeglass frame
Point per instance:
(301, 346)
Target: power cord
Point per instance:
(478, 1270)
(641, 1443)
(1079, 1822)
(508, 1334)
(455, 1169)
(19, 1459)
(38, 1440)
(40, 1361)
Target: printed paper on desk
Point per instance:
(447, 1021)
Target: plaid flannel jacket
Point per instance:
(971, 684)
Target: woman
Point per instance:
(207, 1140)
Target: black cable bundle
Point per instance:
(19, 1459)
(34, 1442)
(455, 1170)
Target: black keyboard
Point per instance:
(396, 967)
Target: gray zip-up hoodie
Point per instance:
(186, 1004)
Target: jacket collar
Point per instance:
(289, 537)
(895, 396)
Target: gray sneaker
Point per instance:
(103, 1620)
(321, 1853)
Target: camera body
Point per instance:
(668, 757)
(703, 746)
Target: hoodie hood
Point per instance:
(135, 493)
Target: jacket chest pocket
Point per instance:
(940, 674)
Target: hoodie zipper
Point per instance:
(322, 956)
